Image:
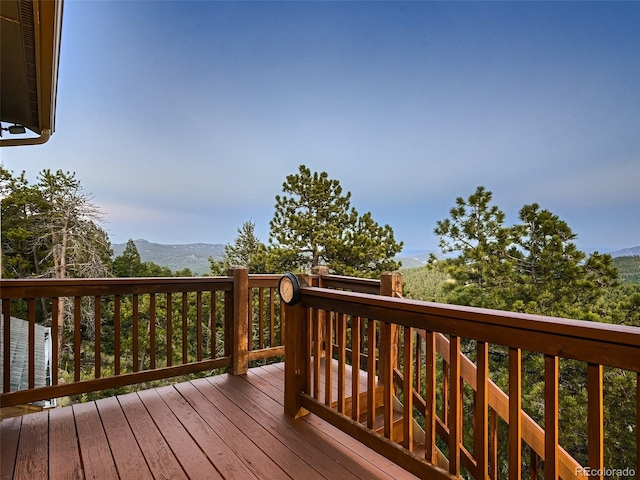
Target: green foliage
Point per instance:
(476, 230)
(314, 224)
(425, 283)
(246, 251)
(129, 264)
(629, 268)
(533, 266)
(51, 229)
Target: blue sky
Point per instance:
(184, 118)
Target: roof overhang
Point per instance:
(30, 33)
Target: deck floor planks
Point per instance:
(217, 427)
(239, 442)
(263, 438)
(97, 459)
(220, 454)
(193, 460)
(128, 457)
(32, 460)
(160, 459)
(9, 437)
(306, 447)
(362, 461)
(64, 453)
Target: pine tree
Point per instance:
(314, 224)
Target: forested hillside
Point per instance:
(628, 268)
(177, 257)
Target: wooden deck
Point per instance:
(211, 428)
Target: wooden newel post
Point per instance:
(390, 286)
(240, 320)
(321, 317)
(297, 365)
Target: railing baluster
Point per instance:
(551, 463)
(185, 328)
(32, 342)
(481, 424)
(595, 418)
(77, 339)
(97, 333)
(152, 331)
(407, 423)
(116, 335)
(386, 363)
(418, 356)
(136, 333)
(355, 368)
(169, 330)
(317, 350)
(430, 397)
(55, 359)
(515, 414)
(533, 464)
(213, 324)
(371, 373)
(250, 321)
(455, 406)
(328, 374)
(341, 340)
(199, 325)
(272, 318)
(493, 435)
(261, 318)
(445, 392)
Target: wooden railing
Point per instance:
(422, 391)
(123, 331)
(426, 392)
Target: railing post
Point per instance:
(390, 286)
(240, 320)
(297, 362)
(321, 316)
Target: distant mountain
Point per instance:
(414, 258)
(418, 258)
(626, 252)
(194, 256)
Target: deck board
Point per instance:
(127, 455)
(9, 437)
(237, 440)
(97, 460)
(32, 456)
(193, 460)
(64, 454)
(160, 459)
(216, 427)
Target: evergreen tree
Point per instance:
(476, 231)
(314, 224)
(22, 205)
(129, 264)
(247, 251)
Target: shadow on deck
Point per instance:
(231, 427)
